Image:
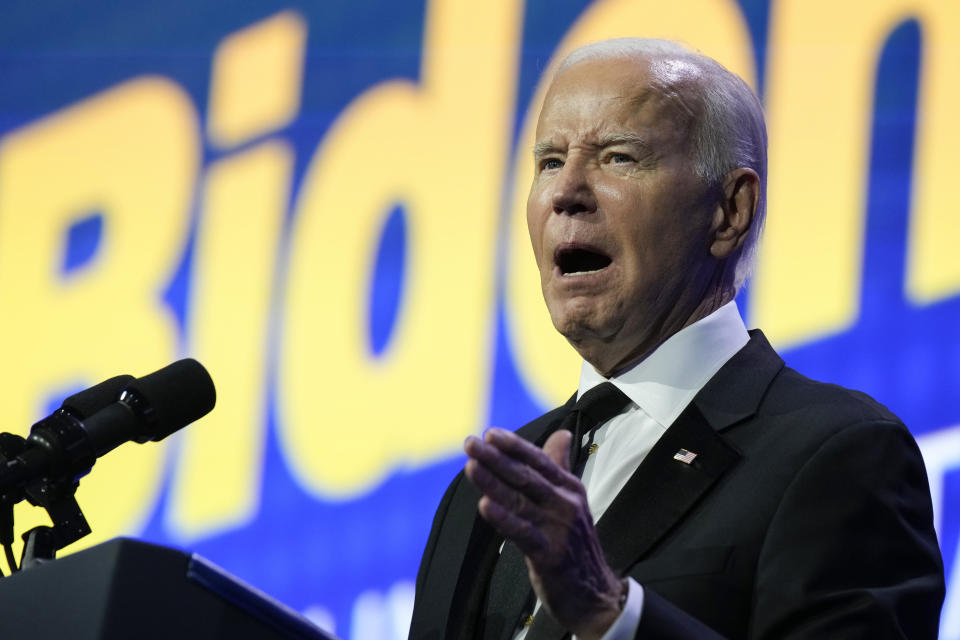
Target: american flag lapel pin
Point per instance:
(684, 456)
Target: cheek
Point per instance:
(533, 229)
(614, 194)
(535, 225)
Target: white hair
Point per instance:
(730, 132)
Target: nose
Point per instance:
(572, 191)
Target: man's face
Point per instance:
(618, 218)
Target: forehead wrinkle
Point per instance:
(598, 135)
(602, 141)
(668, 95)
(618, 138)
(679, 96)
(673, 102)
(670, 90)
(678, 81)
(643, 96)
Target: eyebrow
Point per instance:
(622, 138)
(546, 147)
(543, 148)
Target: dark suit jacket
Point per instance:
(806, 514)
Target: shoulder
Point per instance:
(849, 487)
(842, 434)
(803, 414)
(779, 420)
(793, 394)
(756, 391)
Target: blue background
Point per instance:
(61, 52)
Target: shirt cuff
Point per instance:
(625, 627)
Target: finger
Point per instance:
(516, 474)
(519, 449)
(506, 496)
(557, 448)
(511, 526)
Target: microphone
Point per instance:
(64, 446)
(87, 402)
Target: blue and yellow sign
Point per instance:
(322, 202)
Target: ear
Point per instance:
(734, 215)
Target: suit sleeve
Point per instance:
(438, 519)
(850, 553)
(661, 620)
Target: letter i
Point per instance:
(254, 90)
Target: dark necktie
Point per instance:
(510, 598)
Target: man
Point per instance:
(732, 496)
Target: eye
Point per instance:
(619, 158)
(549, 164)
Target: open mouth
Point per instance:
(579, 260)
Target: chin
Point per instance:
(572, 324)
(582, 327)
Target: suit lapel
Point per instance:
(735, 392)
(468, 547)
(540, 429)
(655, 498)
(663, 489)
(455, 555)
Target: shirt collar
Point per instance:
(664, 383)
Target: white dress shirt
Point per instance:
(660, 387)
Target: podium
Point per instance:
(125, 589)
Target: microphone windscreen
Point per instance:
(178, 394)
(89, 401)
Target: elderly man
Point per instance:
(732, 496)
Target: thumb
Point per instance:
(557, 448)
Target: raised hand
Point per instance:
(531, 498)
